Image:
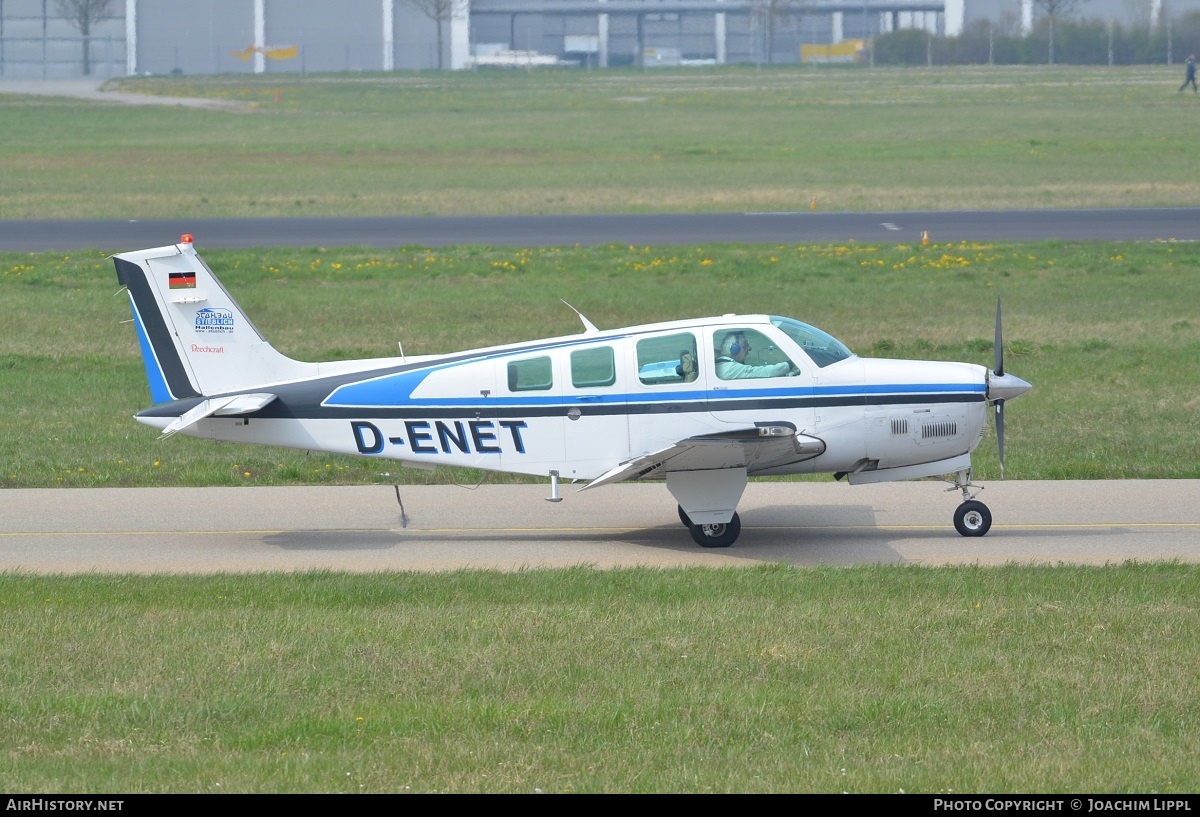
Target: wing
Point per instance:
(755, 448)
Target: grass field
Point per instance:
(766, 679)
(729, 139)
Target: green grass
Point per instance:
(765, 679)
(727, 139)
(1105, 332)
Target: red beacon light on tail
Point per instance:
(185, 243)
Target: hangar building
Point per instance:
(269, 36)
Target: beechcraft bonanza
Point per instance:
(700, 404)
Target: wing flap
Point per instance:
(755, 448)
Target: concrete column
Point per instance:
(719, 34)
(260, 36)
(602, 32)
(130, 37)
(460, 36)
(389, 34)
(955, 15)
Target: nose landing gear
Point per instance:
(972, 517)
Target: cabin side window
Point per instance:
(747, 353)
(531, 374)
(667, 359)
(591, 368)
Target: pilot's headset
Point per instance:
(733, 344)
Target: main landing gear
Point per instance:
(972, 517)
(712, 536)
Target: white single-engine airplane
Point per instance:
(702, 404)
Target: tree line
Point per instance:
(1075, 42)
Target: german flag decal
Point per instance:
(183, 280)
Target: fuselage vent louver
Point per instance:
(945, 429)
(899, 426)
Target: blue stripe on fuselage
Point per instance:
(396, 390)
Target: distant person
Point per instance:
(1190, 73)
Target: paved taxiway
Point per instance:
(512, 527)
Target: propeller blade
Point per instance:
(999, 347)
(1000, 434)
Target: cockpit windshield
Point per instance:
(823, 348)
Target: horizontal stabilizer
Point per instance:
(218, 406)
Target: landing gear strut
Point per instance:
(972, 517)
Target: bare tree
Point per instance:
(774, 15)
(440, 11)
(1055, 9)
(84, 14)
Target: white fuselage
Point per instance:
(575, 405)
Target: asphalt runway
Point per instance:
(512, 527)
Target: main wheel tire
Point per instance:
(717, 536)
(683, 517)
(972, 518)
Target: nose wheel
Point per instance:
(972, 518)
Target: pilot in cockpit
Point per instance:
(731, 360)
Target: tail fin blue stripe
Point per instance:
(159, 392)
(164, 369)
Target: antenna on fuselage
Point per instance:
(400, 343)
(589, 328)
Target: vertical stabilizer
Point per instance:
(195, 339)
